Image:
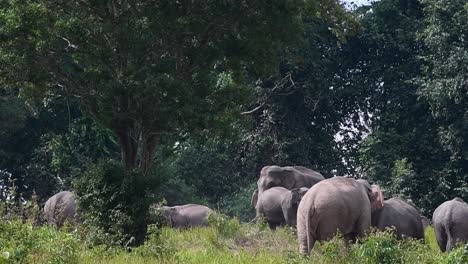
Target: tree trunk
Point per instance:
(128, 148)
(137, 148)
(150, 143)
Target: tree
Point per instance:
(296, 116)
(401, 152)
(444, 84)
(142, 68)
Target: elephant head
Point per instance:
(163, 214)
(297, 194)
(272, 176)
(169, 213)
(374, 193)
(287, 177)
(290, 204)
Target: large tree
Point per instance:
(401, 152)
(143, 68)
(444, 84)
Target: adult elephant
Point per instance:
(186, 216)
(289, 177)
(450, 222)
(338, 203)
(397, 213)
(278, 205)
(59, 208)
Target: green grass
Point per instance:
(225, 241)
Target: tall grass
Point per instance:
(225, 241)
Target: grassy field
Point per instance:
(225, 241)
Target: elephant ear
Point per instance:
(374, 193)
(297, 194)
(376, 197)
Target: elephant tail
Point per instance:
(312, 229)
(305, 230)
(450, 240)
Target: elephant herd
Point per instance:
(321, 207)
(317, 207)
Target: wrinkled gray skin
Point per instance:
(278, 205)
(397, 213)
(450, 222)
(185, 216)
(59, 208)
(333, 204)
(287, 177)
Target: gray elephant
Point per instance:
(397, 213)
(287, 177)
(450, 222)
(186, 216)
(59, 208)
(425, 222)
(338, 203)
(278, 205)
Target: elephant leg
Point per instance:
(351, 237)
(451, 241)
(441, 237)
(455, 236)
(273, 225)
(362, 226)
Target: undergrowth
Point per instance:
(226, 240)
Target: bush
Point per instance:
(114, 205)
(380, 247)
(21, 243)
(238, 204)
(155, 245)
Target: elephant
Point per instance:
(278, 205)
(450, 222)
(59, 208)
(336, 204)
(397, 213)
(425, 222)
(186, 216)
(287, 177)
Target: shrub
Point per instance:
(114, 204)
(224, 228)
(380, 247)
(21, 243)
(238, 204)
(333, 250)
(156, 245)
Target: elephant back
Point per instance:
(59, 208)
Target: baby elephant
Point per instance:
(402, 216)
(59, 208)
(278, 205)
(450, 222)
(185, 216)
